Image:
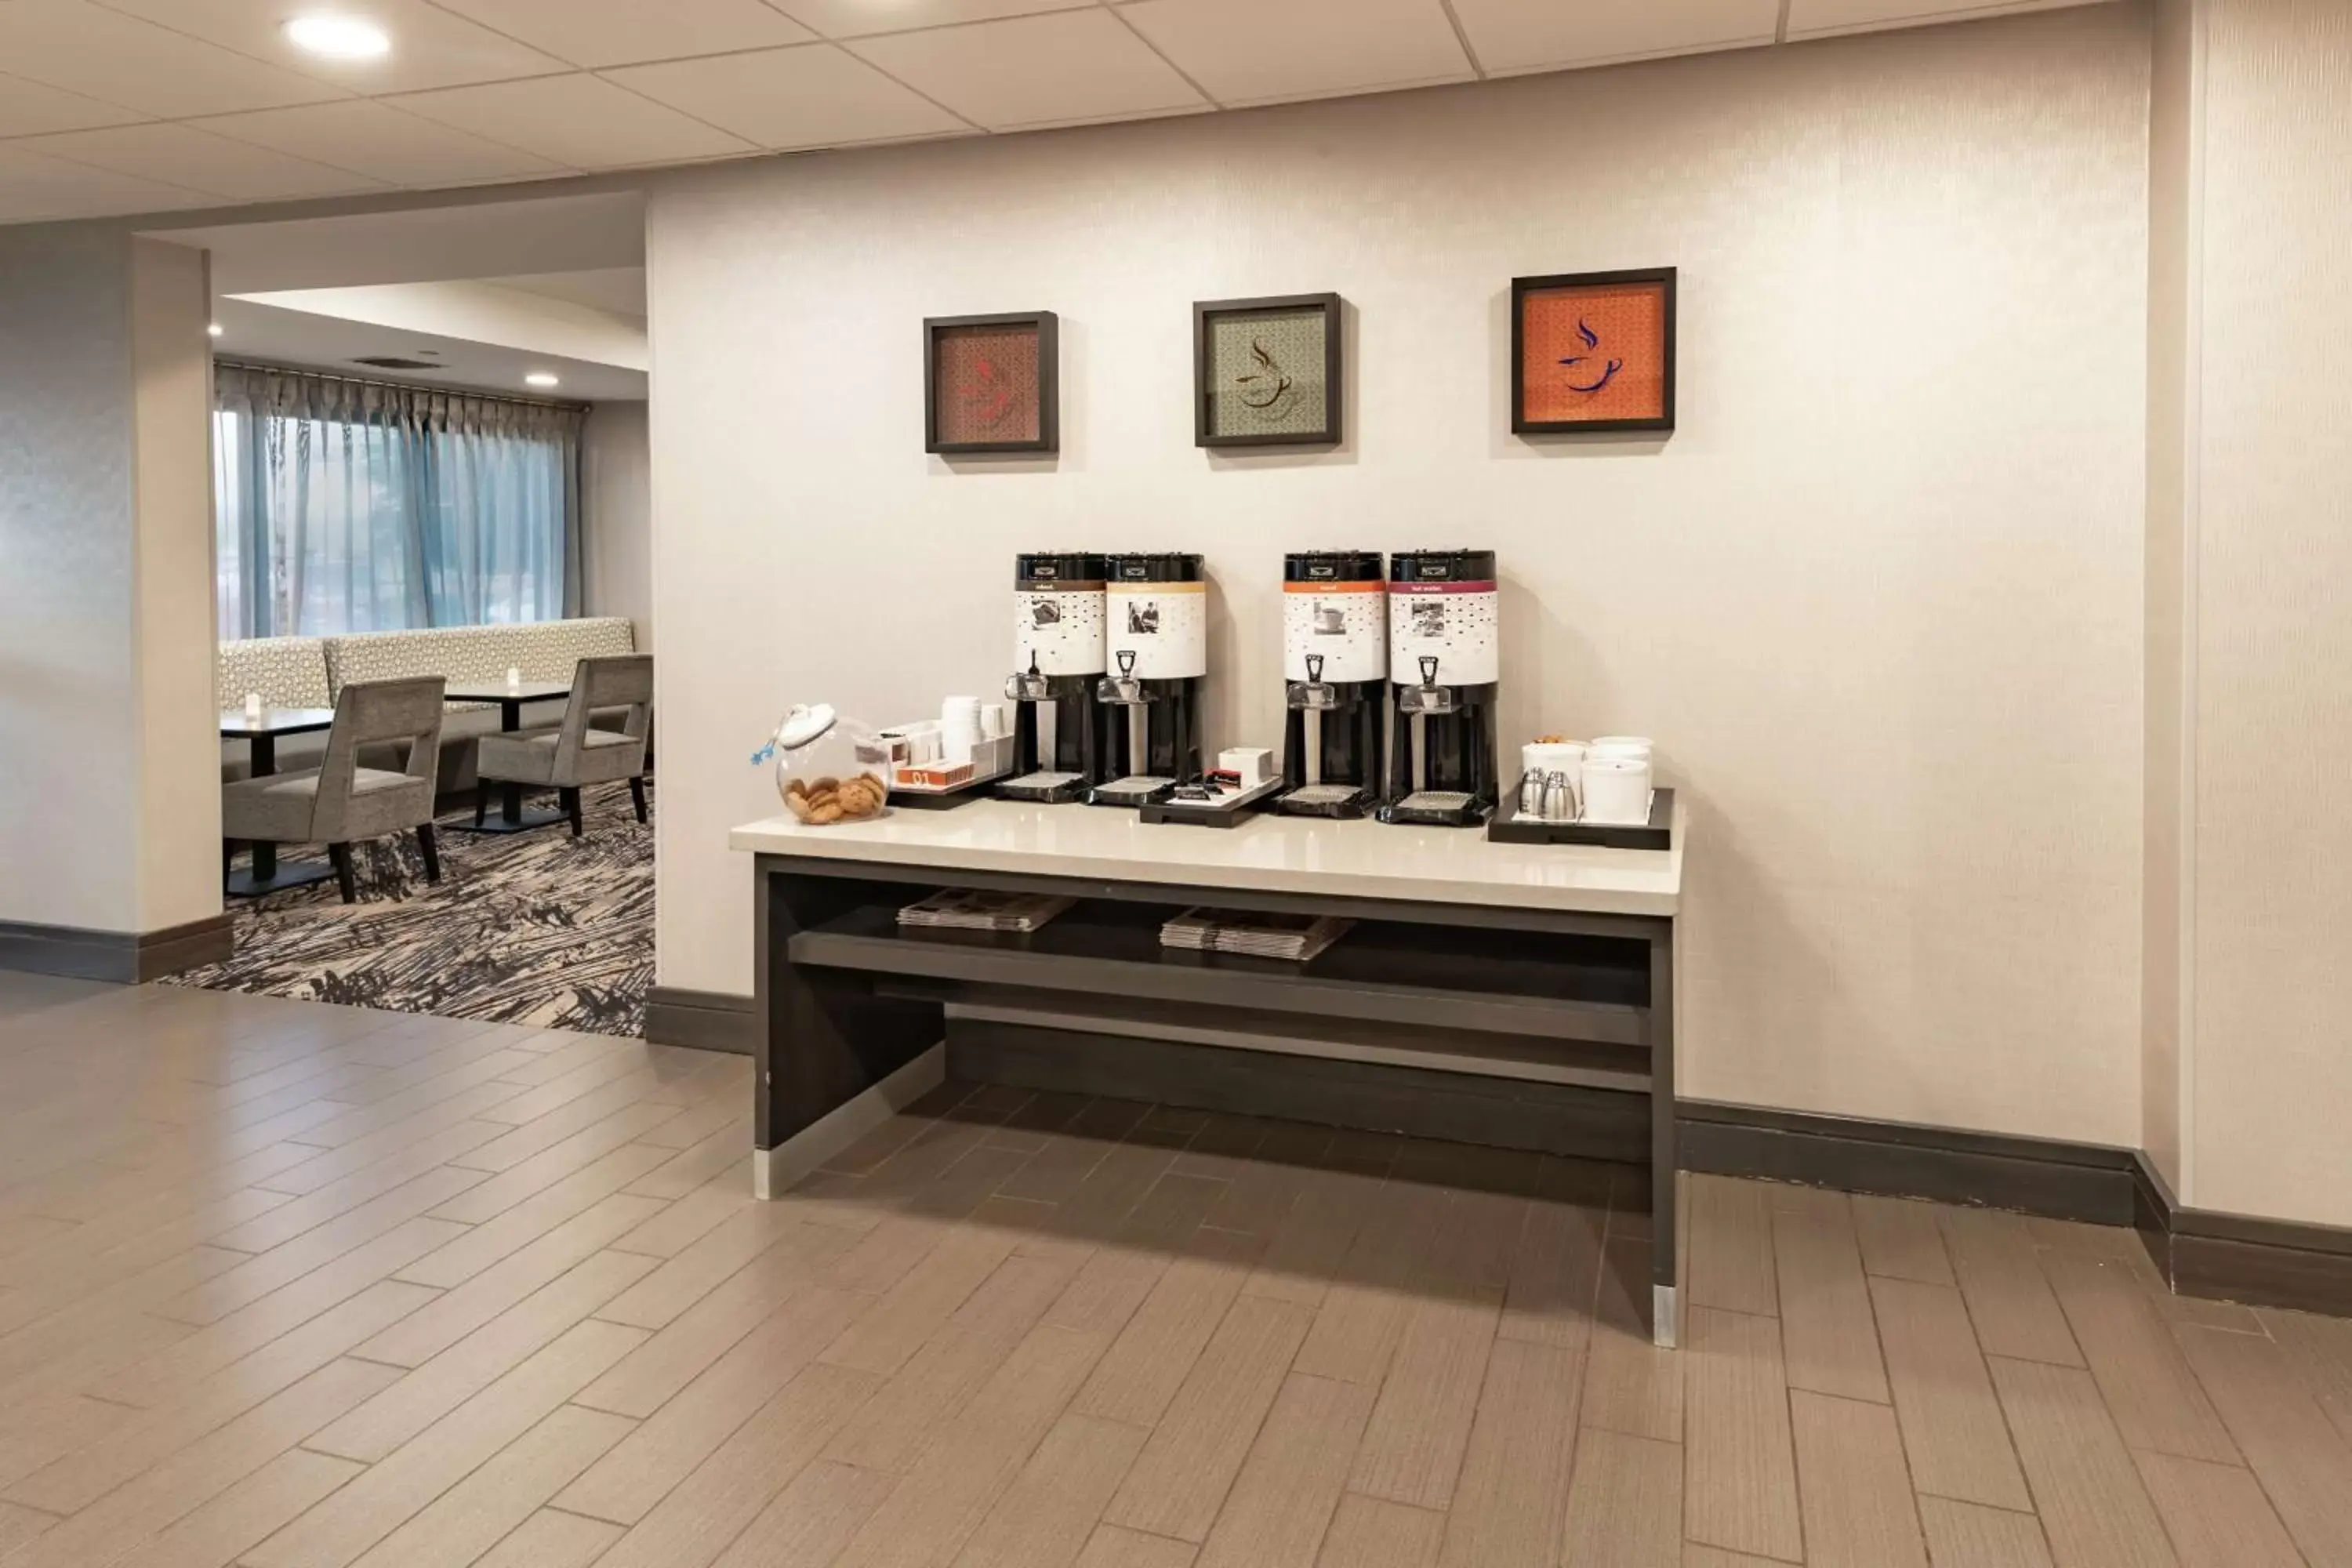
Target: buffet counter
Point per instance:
(1537, 981)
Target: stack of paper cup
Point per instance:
(1635, 747)
(1616, 788)
(959, 728)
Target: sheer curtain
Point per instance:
(354, 506)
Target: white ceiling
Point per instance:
(150, 106)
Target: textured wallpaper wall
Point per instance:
(2273, 711)
(1879, 598)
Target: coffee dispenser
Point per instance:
(1444, 672)
(1157, 634)
(1058, 648)
(1335, 665)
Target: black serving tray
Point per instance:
(1230, 813)
(1508, 828)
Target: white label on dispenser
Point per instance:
(1164, 625)
(1062, 628)
(1460, 624)
(1344, 624)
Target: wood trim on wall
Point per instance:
(125, 958)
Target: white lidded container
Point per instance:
(829, 769)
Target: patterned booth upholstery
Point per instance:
(309, 672)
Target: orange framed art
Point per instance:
(1592, 353)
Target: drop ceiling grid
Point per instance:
(491, 90)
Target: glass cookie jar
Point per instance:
(829, 769)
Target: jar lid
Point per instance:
(805, 724)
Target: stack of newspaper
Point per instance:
(1293, 937)
(966, 910)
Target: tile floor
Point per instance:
(296, 1286)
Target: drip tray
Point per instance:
(1436, 808)
(1135, 790)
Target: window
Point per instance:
(349, 506)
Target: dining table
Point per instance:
(259, 729)
(511, 697)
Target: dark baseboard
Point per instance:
(2084, 1182)
(126, 958)
(2220, 1256)
(704, 1020)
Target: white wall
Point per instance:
(2271, 714)
(108, 779)
(617, 488)
(1879, 597)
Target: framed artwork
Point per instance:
(1265, 372)
(1592, 353)
(992, 383)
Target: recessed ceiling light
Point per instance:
(540, 378)
(214, 331)
(339, 38)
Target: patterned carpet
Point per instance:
(536, 928)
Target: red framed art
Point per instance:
(1592, 353)
(992, 383)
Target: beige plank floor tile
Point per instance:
(2145, 1380)
(1364, 1312)
(1953, 1433)
(2320, 1349)
(1419, 1428)
(552, 1539)
(1858, 1510)
(1696, 1555)
(2009, 1301)
(2216, 1514)
(501, 1224)
(1281, 1501)
(1731, 1246)
(1740, 1488)
(2303, 1462)
(1317, 1225)
(2092, 1506)
(1555, 1274)
(1629, 1384)
(19, 1525)
(434, 1328)
(1043, 1518)
(893, 1428)
(126, 1518)
(657, 1301)
(375, 1429)
(1111, 1547)
(884, 1338)
(371, 1507)
(246, 1514)
(714, 1155)
(692, 1525)
(678, 1225)
(811, 1520)
(682, 1348)
(1625, 1505)
(1827, 1330)
(1971, 1535)
(479, 1511)
(930, 1515)
(1513, 1494)
(1157, 1346)
(1900, 1240)
(1180, 1480)
(624, 1485)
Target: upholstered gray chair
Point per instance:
(341, 803)
(574, 753)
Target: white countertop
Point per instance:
(1364, 859)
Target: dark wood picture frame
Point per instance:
(1204, 315)
(1047, 326)
(1523, 286)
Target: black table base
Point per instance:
(277, 878)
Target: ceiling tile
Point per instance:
(1055, 69)
(861, 18)
(120, 60)
(1256, 51)
(200, 161)
(815, 95)
(430, 47)
(1812, 18)
(33, 188)
(1541, 35)
(582, 122)
(621, 32)
(28, 108)
(368, 138)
